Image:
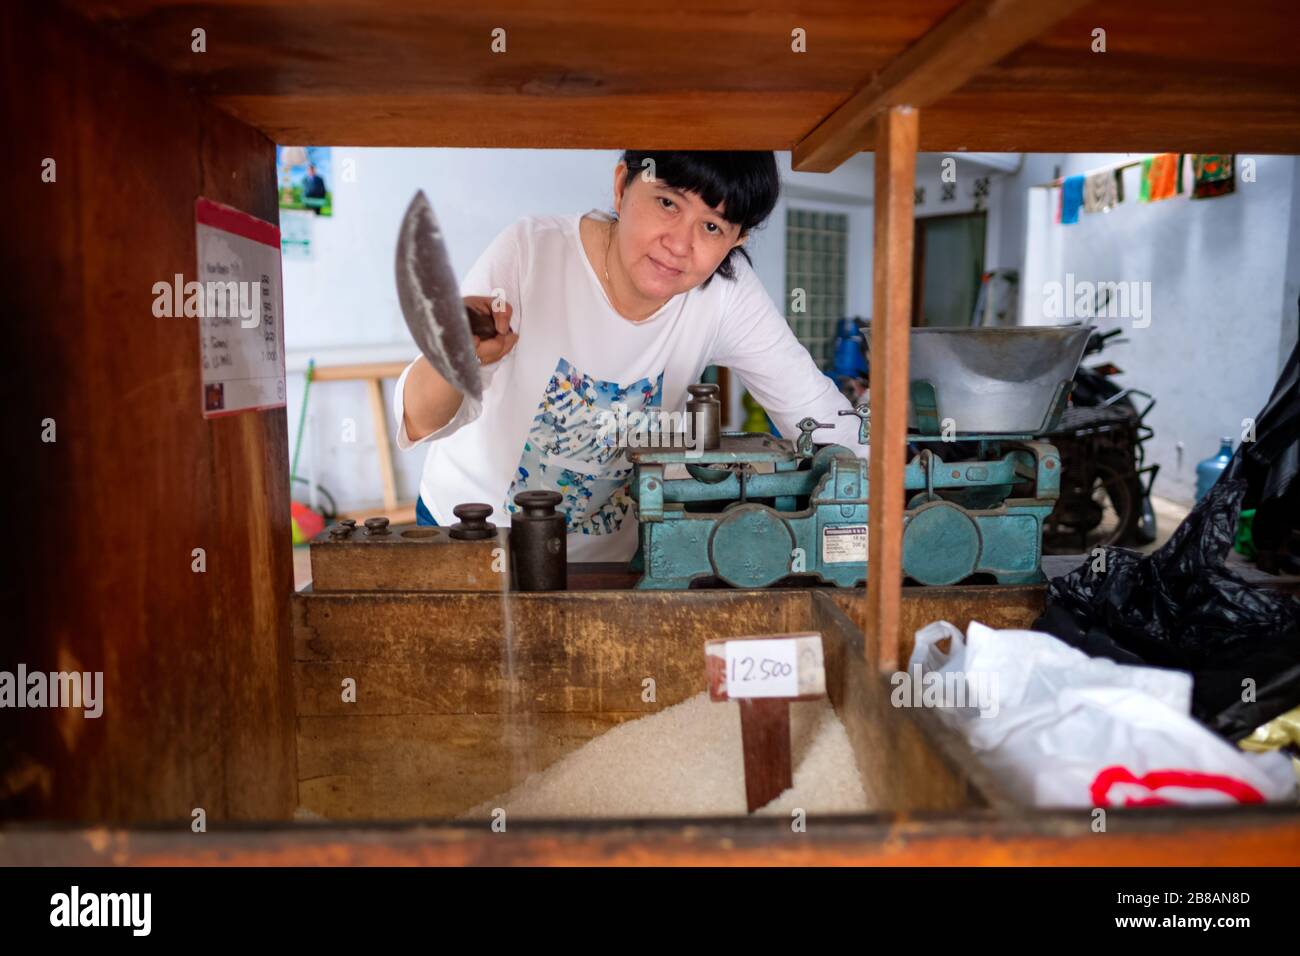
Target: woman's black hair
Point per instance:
(745, 184)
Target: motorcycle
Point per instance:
(1105, 479)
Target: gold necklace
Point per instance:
(609, 242)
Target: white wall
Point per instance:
(341, 304)
(929, 176)
(1223, 274)
(846, 190)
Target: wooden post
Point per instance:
(895, 142)
(765, 741)
(159, 546)
(375, 389)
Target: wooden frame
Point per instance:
(140, 122)
(1146, 837)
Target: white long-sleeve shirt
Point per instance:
(539, 425)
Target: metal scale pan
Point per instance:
(1010, 381)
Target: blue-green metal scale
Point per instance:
(759, 509)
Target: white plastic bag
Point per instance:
(1068, 730)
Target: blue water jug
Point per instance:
(1208, 471)
(849, 362)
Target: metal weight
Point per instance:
(473, 524)
(704, 416)
(538, 548)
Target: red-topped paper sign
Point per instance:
(241, 327)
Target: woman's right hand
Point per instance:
(499, 346)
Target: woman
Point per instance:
(597, 312)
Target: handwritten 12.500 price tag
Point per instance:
(766, 665)
(762, 668)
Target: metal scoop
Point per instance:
(441, 324)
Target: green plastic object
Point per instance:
(1244, 543)
(755, 417)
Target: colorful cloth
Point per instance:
(1213, 174)
(1071, 200)
(1162, 177)
(1103, 190)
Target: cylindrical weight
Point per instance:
(538, 544)
(704, 412)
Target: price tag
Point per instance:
(239, 306)
(766, 665)
(762, 668)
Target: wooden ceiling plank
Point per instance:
(974, 36)
(722, 76)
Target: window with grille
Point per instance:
(816, 256)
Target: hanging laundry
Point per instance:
(1103, 190)
(1213, 174)
(1071, 199)
(1162, 177)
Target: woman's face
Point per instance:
(668, 241)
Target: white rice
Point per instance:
(686, 761)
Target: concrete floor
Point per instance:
(1169, 515)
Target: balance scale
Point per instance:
(758, 509)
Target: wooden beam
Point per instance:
(890, 328)
(603, 76)
(1146, 836)
(974, 36)
(358, 372)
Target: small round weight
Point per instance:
(473, 524)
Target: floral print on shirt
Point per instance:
(569, 449)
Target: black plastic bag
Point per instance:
(1181, 607)
(1269, 464)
